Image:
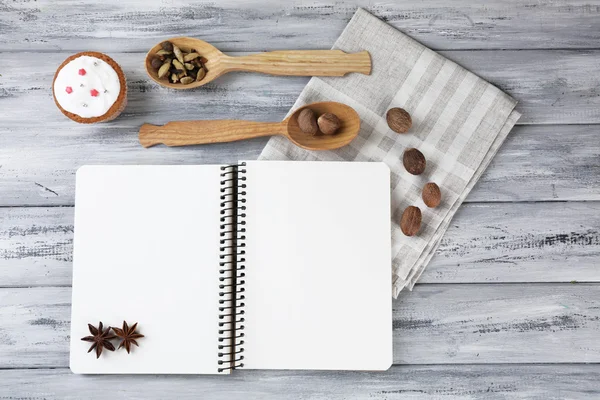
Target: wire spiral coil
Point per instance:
(232, 267)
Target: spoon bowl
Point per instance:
(293, 62)
(214, 65)
(350, 125)
(183, 133)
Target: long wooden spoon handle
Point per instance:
(302, 63)
(183, 133)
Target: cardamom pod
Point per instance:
(203, 66)
(187, 80)
(189, 66)
(178, 54)
(201, 75)
(190, 57)
(178, 65)
(164, 69)
(174, 78)
(163, 53)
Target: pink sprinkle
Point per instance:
(94, 93)
(82, 72)
(69, 89)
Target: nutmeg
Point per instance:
(398, 119)
(431, 195)
(411, 221)
(167, 46)
(156, 63)
(414, 161)
(329, 123)
(307, 121)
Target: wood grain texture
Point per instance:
(503, 323)
(286, 62)
(546, 163)
(269, 25)
(185, 133)
(490, 382)
(302, 63)
(454, 320)
(525, 242)
(36, 246)
(536, 163)
(434, 324)
(552, 87)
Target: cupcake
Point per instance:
(90, 87)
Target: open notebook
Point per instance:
(261, 265)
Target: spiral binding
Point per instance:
(232, 267)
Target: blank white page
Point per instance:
(318, 270)
(146, 250)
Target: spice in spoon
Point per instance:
(178, 65)
(326, 124)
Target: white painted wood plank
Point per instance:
(503, 323)
(524, 242)
(552, 87)
(36, 246)
(135, 25)
(539, 163)
(536, 163)
(434, 324)
(38, 160)
(35, 327)
(488, 382)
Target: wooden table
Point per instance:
(508, 308)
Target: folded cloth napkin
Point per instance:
(459, 122)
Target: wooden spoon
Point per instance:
(293, 62)
(183, 133)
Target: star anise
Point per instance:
(100, 338)
(128, 336)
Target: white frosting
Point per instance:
(99, 76)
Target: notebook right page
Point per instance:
(318, 266)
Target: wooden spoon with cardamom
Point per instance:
(292, 62)
(183, 133)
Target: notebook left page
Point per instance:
(146, 250)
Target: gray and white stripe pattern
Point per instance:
(459, 123)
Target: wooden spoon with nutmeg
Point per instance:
(292, 62)
(183, 133)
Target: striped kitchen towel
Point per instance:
(459, 122)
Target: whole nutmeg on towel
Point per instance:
(411, 221)
(398, 119)
(327, 123)
(414, 161)
(431, 195)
